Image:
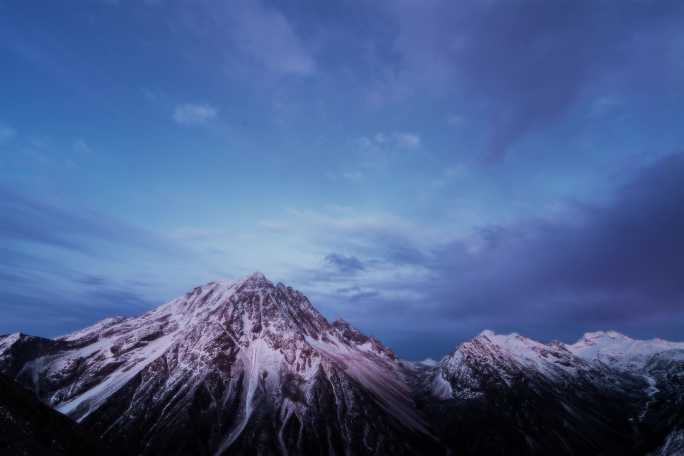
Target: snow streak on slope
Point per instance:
(7, 341)
(116, 379)
(377, 375)
(651, 390)
(673, 446)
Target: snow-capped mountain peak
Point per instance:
(497, 359)
(617, 350)
(252, 346)
(514, 348)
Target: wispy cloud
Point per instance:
(602, 105)
(528, 63)
(29, 220)
(82, 147)
(456, 171)
(455, 120)
(611, 266)
(47, 247)
(353, 175)
(257, 41)
(394, 140)
(344, 263)
(194, 114)
(6, 133)
(407, 140)
(266, 36)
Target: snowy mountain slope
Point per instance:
(236, 361)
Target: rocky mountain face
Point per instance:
(250, 367)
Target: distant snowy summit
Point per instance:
(251, 367)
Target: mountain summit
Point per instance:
(251, 367)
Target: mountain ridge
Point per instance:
(251, 366)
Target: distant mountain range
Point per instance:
(250, 367)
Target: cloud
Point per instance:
(367, 232)
(344, 263)
(82, 147)
(602, 105)
(65, 311)
(28, 220)
(614, 266)
(194, 114)
(456, 171)
(407, 140)
(267, 37)
(253, 40)
(394, 140)
(527, 63)
(353, 175)
(75, 266)
(455, 120)
(6, 134)
(356, 294)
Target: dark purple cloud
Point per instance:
(42, 291)
(610, 264)
(616, 266)
(29, 220)
(529, 62)
(344, 263)
(49, 313)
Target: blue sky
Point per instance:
(424, 170)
